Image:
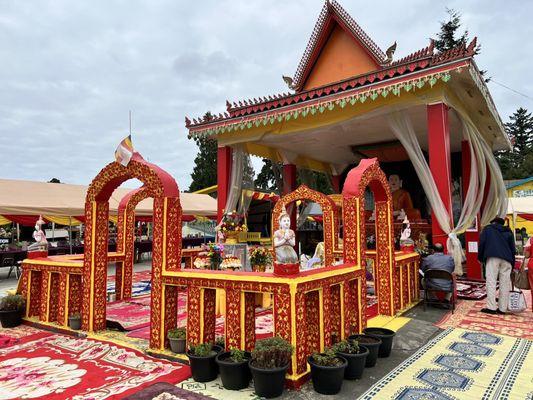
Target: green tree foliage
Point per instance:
(269, 178)
(517, 163)
(204, 173)
(447, 37)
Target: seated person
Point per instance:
(441, 261)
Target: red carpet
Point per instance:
(128, 315)
(467, 315)
(54, 366)
(471, 290)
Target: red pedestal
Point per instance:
(224, 158)
(38, 254)
(407, 248)
(440, 162)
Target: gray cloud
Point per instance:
(70, 71)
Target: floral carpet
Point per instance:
(52, 366)
(128, 315)
(468, 315)
(461, 364)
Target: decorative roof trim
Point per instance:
(348, 98)
(332, 9)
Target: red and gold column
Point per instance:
(193, 315)
(440, 163)
(209, 315)
(234, 305)
(249, 321)
(224, 161)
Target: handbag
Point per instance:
(520, 278)
(517, 301)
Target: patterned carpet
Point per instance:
(142, 283)
(51, 366)
(461, 364)
(467, 315)
(471, 290)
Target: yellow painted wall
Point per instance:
(521, 191)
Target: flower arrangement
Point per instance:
(260, 257)
(232, 222)
(215, 252)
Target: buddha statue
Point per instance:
(401, 199)
(285, 240)
(39, 236)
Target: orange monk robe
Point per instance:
(401, 199)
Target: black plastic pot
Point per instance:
(268, 383)
(74, 323)
(177, 345)
(11, 318)
(203, 369)
(386, 336)
(356, 363)
(327, 380)
(372, 344)
(234, 376)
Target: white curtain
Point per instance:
(481, 156)
(241, 182)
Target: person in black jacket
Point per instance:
(497, 251)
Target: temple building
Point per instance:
(428, 117)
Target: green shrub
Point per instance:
(271, 353)
(202, 350)
(346, 346)
(178, 333)
(237, 356)
(12, 302)
(75, 315)
(327, 359)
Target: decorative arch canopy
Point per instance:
(329, 212)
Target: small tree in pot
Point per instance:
(74, 321)
(202, 362)
(234, 369)
(355, 355)
(11, 309)
(269, 363)
(176, 338)
(327, 371)
(220, 341)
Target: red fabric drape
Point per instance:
(24, 220)
(529, 217)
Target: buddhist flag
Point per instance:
(124, 151)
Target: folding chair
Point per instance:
(10, 262)
(431, 274)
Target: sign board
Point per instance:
(523, 193)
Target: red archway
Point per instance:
(369, 174)
(126, 240)
(166, 243)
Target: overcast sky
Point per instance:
(71, 70)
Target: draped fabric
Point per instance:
(241, 182)
(62, 220)
(481, 159)
(4, 220)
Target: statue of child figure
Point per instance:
(40, 237)
(285, 240)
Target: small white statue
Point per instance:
(405, 238)
(401, 215)
(285, 240)
(40, 237)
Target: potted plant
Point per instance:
(220, 341)
(372, 344)
(269, 363)
(74, 321)
(327, 371)
(12, 307)
(202, 362)
(234, 370)
(215, 252)
(260, 258)
(176, 338)
(355, 355)
(385, 335)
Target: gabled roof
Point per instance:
(517, 182)
(423, 59)
(332, 13)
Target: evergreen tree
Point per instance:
(517, 163)
(204, 173)
(269, 178)
(446, 38)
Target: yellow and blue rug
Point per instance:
(461, 364)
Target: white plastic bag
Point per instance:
(517, 301)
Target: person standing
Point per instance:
(497, 251)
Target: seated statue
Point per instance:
(405, 238)
(318, 258)
(41, 243)
(401, 199)
(285, 240)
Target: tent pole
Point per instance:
(70, 233)
(53, 230)
(18, 232)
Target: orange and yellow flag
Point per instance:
(124, 151)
